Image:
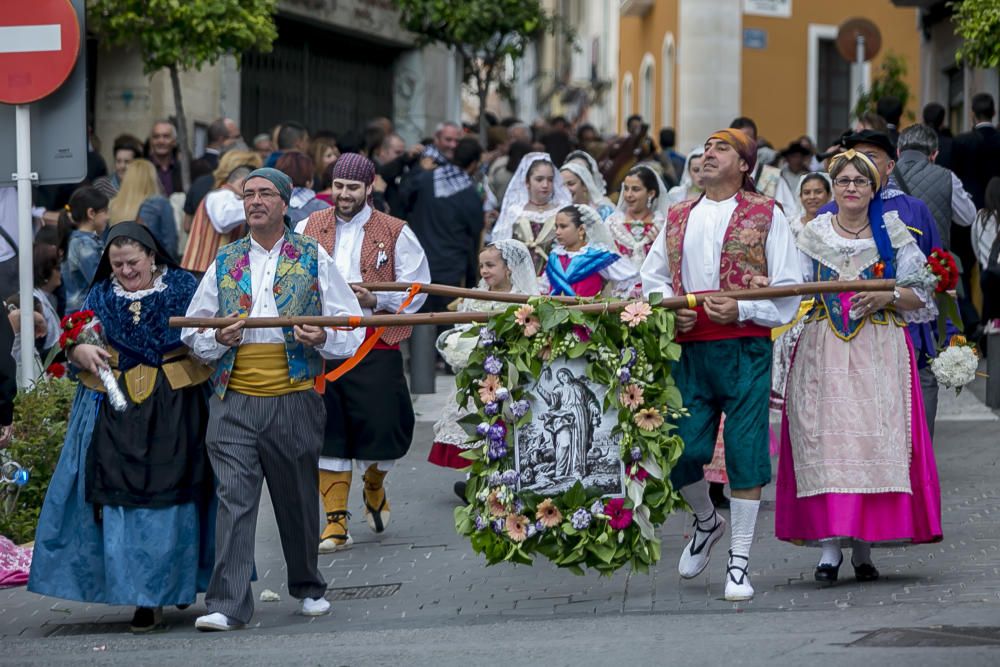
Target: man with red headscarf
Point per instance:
(729, 238)
(369, 415)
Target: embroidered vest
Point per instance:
(296, 292)
(380, 235)
(743, 246)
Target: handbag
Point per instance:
(8, 269)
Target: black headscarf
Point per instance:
(137, 232)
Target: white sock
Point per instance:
(743, 514)
(831, 552)
(697, 497)
(861, 552)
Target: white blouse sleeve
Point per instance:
(655, 270)
(205, 303)
(338, 300)
(910, 260)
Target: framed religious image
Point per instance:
(569, 437)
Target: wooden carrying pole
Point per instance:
(674, 303)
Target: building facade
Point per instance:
(334, 65)
(696, 64)
(943, 80)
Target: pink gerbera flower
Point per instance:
(548, 513)
(619, 516)
(636, 313)
(631, 396)
(488, 388)
(648, 419)
(517, 527)
(523, 313)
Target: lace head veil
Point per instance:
(586, 159)
(517, 257)
(660, 205)
(598, 234)
(516, 197)
(593, 190)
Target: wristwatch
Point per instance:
(895, 295)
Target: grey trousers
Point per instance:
(251, 439)
(929, 388)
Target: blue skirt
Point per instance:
(135, 556)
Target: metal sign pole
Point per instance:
(25, 238)
(860, 50)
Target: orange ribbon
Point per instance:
(366, 346)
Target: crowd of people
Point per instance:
(157, 500)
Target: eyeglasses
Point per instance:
(265, 195)
(859, 183)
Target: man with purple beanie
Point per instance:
(369, 415)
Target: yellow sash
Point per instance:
(261, 369)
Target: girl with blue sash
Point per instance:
(582, 262)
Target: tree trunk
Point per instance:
(484, 90)
(182, 137)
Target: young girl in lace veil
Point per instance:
(536, 192)
(584, 262)
(641, 213)
(504, 266)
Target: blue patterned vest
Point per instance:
(296, 293)
(836, 310)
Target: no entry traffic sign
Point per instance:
(39, 44)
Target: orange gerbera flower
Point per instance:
(517, 527)
(548, 513)
(648, 419)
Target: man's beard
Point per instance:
(350, 210)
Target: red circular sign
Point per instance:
(39, 44)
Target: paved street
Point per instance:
(419, 595)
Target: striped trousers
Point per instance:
(251, 439)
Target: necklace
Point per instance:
(857, 234)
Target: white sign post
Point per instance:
(25, 233)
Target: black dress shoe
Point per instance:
(826, 573)
(459, 489)
(865, 572)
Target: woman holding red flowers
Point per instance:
(856, 467)
(127, 519)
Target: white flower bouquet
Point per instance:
(955, 366)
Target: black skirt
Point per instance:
(369, 414)
(151, 454)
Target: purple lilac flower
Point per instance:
(497, 451)
(635, 454)
(503, 393)
(518, 506)
(580, 519)
(532, 531)
(491, 408)
(509, 477)
(494, 479)
(497, 431)
(633, 356)
(492, 365)
(597, 507)
(539, 526)
(497, 526)
(520, 408)
(486, 337)
(624, 375)
(480, 522)
(483, 428)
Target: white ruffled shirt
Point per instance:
(409, 259)
(702, 254)
(336, 296)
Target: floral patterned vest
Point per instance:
(296, 293)
(743, 247)
(378, 253)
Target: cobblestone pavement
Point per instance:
(420, 574)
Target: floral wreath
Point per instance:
(631, 354)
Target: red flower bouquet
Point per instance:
(83, 327)
(944, 268)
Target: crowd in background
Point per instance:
(458, 194)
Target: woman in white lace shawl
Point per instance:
(504, 266)
(534, 196)
(856, 466)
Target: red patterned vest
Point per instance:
(380, 234)
(743, 257)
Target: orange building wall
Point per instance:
(774, 80)
(775, 83)
(638, 36)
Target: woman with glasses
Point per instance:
(856, 467)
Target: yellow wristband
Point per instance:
(692, 301)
